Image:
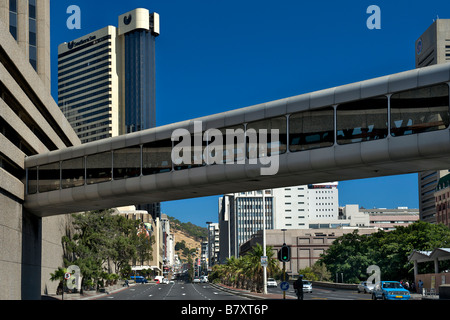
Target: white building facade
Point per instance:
(297, 207)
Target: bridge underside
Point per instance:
(390, 156)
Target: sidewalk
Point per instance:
(87, 295)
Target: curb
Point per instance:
(242, 293)
(237, 292)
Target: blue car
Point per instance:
(139, 279)
(390, 290)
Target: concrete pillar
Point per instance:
(416, 270)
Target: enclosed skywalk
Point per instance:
(390, 125)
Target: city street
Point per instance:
(175, 291)
(205, 291)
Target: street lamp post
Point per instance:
(264, 241)
(284, 263)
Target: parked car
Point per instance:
(204, 279)
(271, 282)
(390, 290)
(365, 287)
(307, 286)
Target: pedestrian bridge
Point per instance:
(391, 125)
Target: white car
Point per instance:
(196, 280)
(204, 279)
(307, 286)
(271, 282)
(365, 287)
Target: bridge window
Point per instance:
(420, 110)
(362, 120)
(233, 145)
(127, 163)
(49, 177)
(191, 152)
(98, 168)
(32, 180)
(271, 142)
(311, 129)
(72, 173)
(157, 157)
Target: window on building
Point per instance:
(13, 18)
(32, 33)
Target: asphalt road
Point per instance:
(203, 291)
(175, 291)
(321, 293)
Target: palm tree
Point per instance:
(58, 275)
(256, 268)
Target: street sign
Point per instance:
(67, 276)
(264, 262)
(284, 286)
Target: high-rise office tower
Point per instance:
(106, 79)
(432, 47)
(241, 215)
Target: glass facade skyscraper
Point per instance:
(106, 79)
(139, 80)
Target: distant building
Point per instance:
(299, 207)
(154, 228)
(213, 244)
(296, 207)
(381, 218)
(432, 47)
(306, 244)
(442, 200)
(240, 217)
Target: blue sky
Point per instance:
(215, 55)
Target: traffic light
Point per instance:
(284, 255)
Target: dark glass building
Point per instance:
(139, 80)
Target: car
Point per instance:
(204, 279)
(165, 281)
(365, 287)
(271, 282)
(139, 279)
(307, 286)
(390, 290)
(196, 280)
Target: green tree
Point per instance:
(352, 253)
(245, 272)
(100, 238)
